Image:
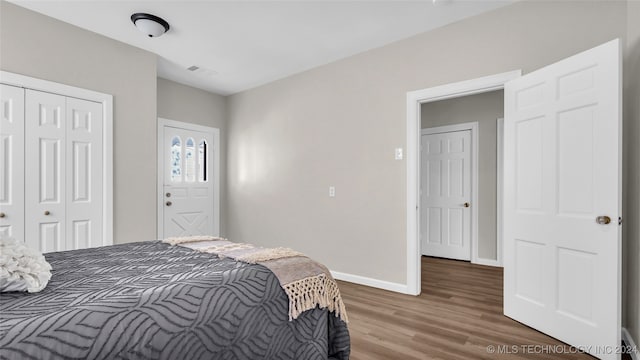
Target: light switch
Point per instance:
(332, 191)
(398, 153)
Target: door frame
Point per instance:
(414, 101)
(215, 133)
(499, 188)
(27, 82)
(473, 128)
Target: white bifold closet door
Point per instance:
(11, 162)
(63, 172)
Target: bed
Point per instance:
(150, 300)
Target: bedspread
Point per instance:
(149, 300)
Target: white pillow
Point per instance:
(21, 268)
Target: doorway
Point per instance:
(415, 99)
(468, 181)
(188, 179)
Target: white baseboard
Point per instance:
(486, 262)
(361, 280)
(628, 341)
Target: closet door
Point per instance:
(12, 162)
(84, 173)
(45, 169)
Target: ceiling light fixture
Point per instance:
(151, 25)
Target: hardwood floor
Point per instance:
(457, 316)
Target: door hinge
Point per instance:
(619, 220)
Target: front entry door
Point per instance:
(446, 195)
(188, 195)
(562, 200)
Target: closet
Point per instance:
(51, 169)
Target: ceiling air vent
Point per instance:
(202, 71)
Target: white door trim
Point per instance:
(499, 188)
(473, 128)
(215, 132)
(106, 100)
(414, 100)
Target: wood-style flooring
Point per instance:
(457, 316)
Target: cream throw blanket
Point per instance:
(307, 283)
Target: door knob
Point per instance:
(2, 215)
(47, 213)
(603, 220)
(466, 204)
(168, 203)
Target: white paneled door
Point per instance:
(446, 195)
(63, 173)
(84, 173)
(11, 162)
(45, 122)
(188, 179)
(562, 200)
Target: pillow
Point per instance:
(21, 268)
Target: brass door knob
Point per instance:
(47, 213)
(603, 220)
(168, 203)
(2, 215)
(466, 204)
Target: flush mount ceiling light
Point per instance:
(151, 25)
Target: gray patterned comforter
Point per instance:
(152, 301)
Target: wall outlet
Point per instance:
(399, 154)
(332, 191)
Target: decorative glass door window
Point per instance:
(176, 159)
(190, 161)
(188, 164)
(202, 161)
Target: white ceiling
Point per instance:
(244, 44)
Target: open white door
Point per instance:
(562, 200)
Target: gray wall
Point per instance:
(184, 103)
(631, 170)
(39, 46)
(338, 125)
(485, 109)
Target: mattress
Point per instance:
(149, 300)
